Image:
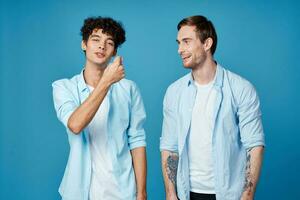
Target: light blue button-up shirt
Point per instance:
(238, 127)
(126, 117)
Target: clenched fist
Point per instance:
(114, 72)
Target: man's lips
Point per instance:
(185, 58)
(100, 55)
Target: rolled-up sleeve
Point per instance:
(168, 139)
(249, 115)
(136, 132)
(64, 102)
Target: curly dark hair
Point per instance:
(108, 25)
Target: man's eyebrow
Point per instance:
(97, 36)
(183, 39)
(94, 35)
(187, 38)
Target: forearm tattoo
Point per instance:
(172, 164)
(248, 178)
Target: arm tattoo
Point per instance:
(248, 180)
(172, 164)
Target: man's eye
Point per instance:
(96, 40)
(110, 43)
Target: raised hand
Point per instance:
(114, 72)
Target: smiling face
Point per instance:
(99, 48)
(192, 51)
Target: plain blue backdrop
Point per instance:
(40, 42)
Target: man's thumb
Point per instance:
(117, 60)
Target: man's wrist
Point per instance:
(247, 195)
(105, 83)
(141, 195)
(171, 195)
(142, 192)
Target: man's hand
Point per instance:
(114, 72)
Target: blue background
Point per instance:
(40, 42)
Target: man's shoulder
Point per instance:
(179, 83)
(237, 81)
(68, 83)
(239, 86)
(126, 84)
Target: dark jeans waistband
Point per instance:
(200, 196)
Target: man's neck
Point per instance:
(205, 72)
(93, 73)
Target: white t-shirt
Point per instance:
(103, 183)
(200, 141)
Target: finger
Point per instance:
(117, 60)
(121, 67)
(122, 71)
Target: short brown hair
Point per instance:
(204, 28)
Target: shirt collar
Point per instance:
(218, 79)
(82, 86)
(81, 82)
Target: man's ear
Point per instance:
(83, 45)
(208, 44)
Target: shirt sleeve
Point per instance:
(168, 139)
(249, 115)
(136, 133)
(64, 102)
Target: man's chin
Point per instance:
(101, 61)
(186, 65)
(102, 64)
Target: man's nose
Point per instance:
(102, 45)
(180, 49)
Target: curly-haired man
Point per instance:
(104, 115)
